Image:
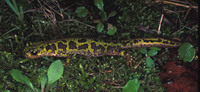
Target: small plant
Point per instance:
(186, 52)
(153, 51)
(81, 11)
(100, 26)
(48, 79)
(132, 86)
(16, 9)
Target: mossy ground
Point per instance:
(107, 73)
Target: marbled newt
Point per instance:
(93, 47)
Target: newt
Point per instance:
(93, 47)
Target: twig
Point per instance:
(139, 63)
(107, 71)
(114, 83)
(50, 15)
(179, 30)
(178, 1)
(161, 19)
(80, 23)
(178, 4)
(186, 14)
(118, 87)
(54, 9)
(30, 10)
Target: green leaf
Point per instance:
(55, 71)
(81, 11)
(99, 4)
(15, 5)
(103, 15)
(186, 52)
(152, 52)
(6, 91)
(150, 62)
(21, 15)
(111, 30)
(12, 6)
(100, 27)
(143, 50)
(131, 86)
(43, 81)
(19, 77)
(113, 13)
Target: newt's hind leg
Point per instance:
(124, 54)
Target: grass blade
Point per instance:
(15, 5)
(21, 13)
(11, 6)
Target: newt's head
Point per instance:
(32, 52)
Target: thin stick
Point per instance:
(186, 14)
(80, 23)
(179, 30)
(178, 4)
(161, 19)
(178, 1)
(136, 66)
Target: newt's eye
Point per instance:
(34, 52)
(31, 53)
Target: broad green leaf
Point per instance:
(150, 62)
(19, 77)
(6, 91)
(186, 52)
(99, 4)
(111, 30)
(55, 71)
(100, 27)
(152, 52)
(143, 50)
(113, 13)
(81, 11)
(43, 81)
(103, 15)
(131, 86)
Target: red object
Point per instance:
(176, 77)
